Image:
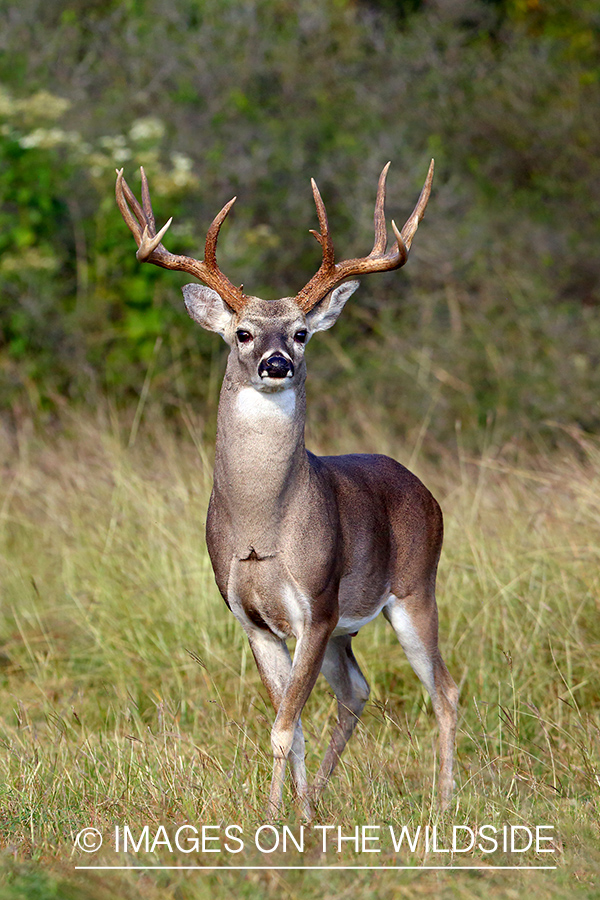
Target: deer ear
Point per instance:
(207, 308)
(325, 313)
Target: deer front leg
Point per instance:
(274, 665)
(286, 734)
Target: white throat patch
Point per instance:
(256, 405)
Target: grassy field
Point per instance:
(129, 697)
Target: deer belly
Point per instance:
(262, 594)
(359, 603)
(351, 623)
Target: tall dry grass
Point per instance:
(128, 694)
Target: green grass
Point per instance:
(129, 696)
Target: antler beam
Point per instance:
(330, 273)
(141, 223)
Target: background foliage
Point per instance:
(495, 319)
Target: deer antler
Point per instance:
(331, 273)
(150, 249)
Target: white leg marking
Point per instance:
(297, 607)
(411, 643)
(332, 671)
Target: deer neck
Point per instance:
(261, 464)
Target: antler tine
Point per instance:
(324, 238)
(140, 221)
(380, 243)
(150, 244)
(412, 223)
(124, 194)
(144, 232)
(146, 202)
(330, 274)
(212, 235)
(132, 201)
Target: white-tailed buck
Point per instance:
(305, 546)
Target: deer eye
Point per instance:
(301, 336)
(244, 337)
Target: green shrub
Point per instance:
(494, 318)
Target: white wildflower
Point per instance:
(44, 105)
(147, 129)
(7, 105)
(46, 138)
(112, 141)
(181, 174)
(29, 259)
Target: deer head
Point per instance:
(269, 337)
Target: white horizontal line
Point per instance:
(324, 868)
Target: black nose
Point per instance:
(276, 366)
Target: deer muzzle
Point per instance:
(276, 366)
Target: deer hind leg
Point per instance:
(352, 692)
(415, 622)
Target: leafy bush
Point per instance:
(495, 317)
